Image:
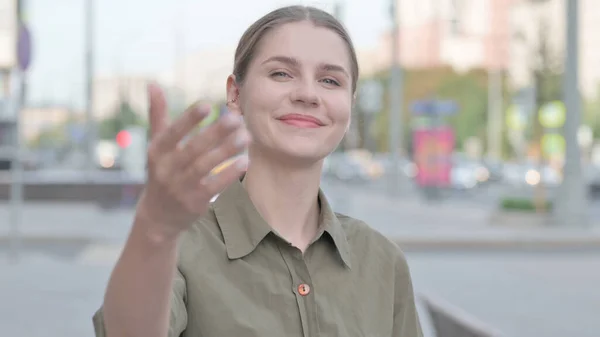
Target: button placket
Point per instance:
(302, 289)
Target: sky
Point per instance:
(139, 36)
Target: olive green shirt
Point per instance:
(237, 277)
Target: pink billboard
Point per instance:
(433, 156)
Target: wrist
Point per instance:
(153, 232)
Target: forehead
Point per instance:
(305, 42)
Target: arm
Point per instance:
(145, 295)
(178, 191)
(406, 318)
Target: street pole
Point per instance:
(16, 186)
(494, 114)
(337, 10)
(396, 96)
(89, 95)
(179, 64)
(571, 202)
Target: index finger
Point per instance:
(158, 115)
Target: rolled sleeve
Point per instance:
(178, 316)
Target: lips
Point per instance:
(302, 121)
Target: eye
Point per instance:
(279, 74)
(331, 81)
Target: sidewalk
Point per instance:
(447, 225)
(412, 223)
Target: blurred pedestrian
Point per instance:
(269, 257)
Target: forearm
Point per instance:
(137, 300)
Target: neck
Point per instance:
(286, 198)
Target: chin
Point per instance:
(301, 155)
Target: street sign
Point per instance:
(552, 115)
(8, 34)
(76, 133)
(434, 107)
(433, 150)
(24, 47)
(370, 97)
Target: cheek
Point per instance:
(341, 113)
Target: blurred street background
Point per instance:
(475, 145)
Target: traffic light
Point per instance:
(123, 139)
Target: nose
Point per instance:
(305, 93)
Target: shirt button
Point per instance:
(304, 289)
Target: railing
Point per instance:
(450, 321)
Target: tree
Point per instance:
(51, 137)
(546, 72)
(469, 90)
(591, 114)
(124, 117)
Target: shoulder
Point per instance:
(364, 240)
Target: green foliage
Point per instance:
(469, 90)
(52, 137)
(124, 117)
(591, 114)
(522, 204)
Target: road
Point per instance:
(520, 293)
(487, 195)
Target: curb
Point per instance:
(495, 244)
(406, 243)
(41, 239)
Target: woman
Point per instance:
(269, 257)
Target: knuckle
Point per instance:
(204, 185)
(153, 154)
(200, 167)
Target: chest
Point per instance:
(289, 295)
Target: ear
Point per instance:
(233, 94)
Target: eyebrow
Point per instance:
(294, 63)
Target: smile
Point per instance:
(301, 121)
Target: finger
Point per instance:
(209, 138)
(158, 117)
(204, 164)
(212, 185)
(182, 126)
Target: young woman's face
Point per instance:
(297, 95)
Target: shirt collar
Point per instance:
(244, 228)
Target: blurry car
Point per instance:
(467, 173)
(462, 177)
(495, 170)
(355, 166)
(530, 174)
(406, 166)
